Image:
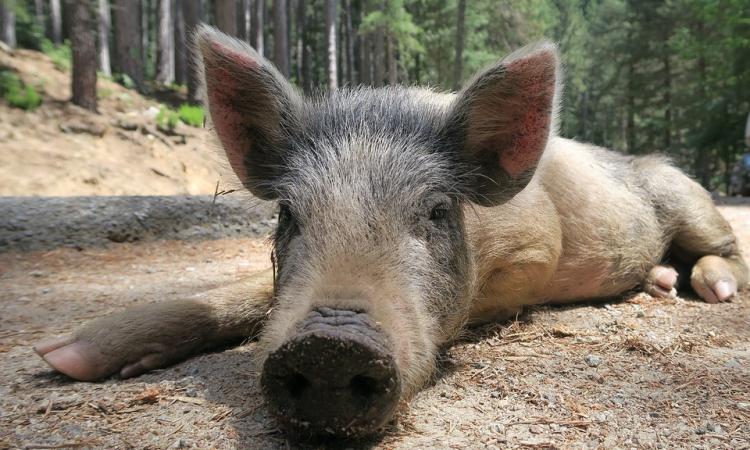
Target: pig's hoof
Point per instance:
(83, 361)
(661, 282)
(73, 358)
(712, 279)
(714, 291)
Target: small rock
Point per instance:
(37, 273)
(733, 364)
(708, 427)
(180, 443)
(46, 290)
(745, 406)
(593, 360)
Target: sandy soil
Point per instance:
(60, 149)
(637, 373)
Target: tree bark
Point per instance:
(180, 56)
(365, 60)
(105, 25)
(225, 13)
(392, 61)
(8, 22)
(667, 102)
(191, 13)
(458, 66)
(55, 15)
(165, 73)
(83, 43)
(349, 33)
(256, 39)
(280, 42)
(39, 15)
(300, 43)
(244, 23)
(331, 38)
(128, 44)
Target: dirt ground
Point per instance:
(637, 373)
(60, 149)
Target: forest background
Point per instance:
(641, 76)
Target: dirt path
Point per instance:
(639, 373)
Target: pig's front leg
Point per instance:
(148, 337)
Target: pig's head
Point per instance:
(374, 271)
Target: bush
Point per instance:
(191, 115)
(59, 54)
(16, 93)
(167, 118)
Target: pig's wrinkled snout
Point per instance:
(335, 376)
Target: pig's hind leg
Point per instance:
(152, 336)
(702, 240)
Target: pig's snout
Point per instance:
(335, 376)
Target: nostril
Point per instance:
(296, 384)
(363, 386)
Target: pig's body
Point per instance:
(585, 227)
(403, 215)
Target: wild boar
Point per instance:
(405, 215)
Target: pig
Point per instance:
(404, 216)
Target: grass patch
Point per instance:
(167, 118)
(59, 54)
(18, 94)
(192, 115)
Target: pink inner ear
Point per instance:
(223, 75)
(533, 78)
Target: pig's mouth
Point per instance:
(334, 377)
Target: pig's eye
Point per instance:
(439, 213)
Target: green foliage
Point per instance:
(124, 79)
(18, 94)
(191, 115)
(103, 92)
(59, 54)
(167, 118)
(188, 114)
(29, 32)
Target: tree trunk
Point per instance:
(166, 68)
(667, 102)
(630, 130)
(191, 13)
(349, 33)
(83, 46)
(331, 38)
(55, 16)
(365, 60)
(392, 62)
(378, 58)
(246, 12)
(8, 22)
(105, 25)
(458, 66)
(225, 12)
(39, 16)
(180, 56)
(128, 45)
(280, 43)
(300, 43)
(256, 39)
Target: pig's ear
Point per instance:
(251, 106)
(503, 119)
